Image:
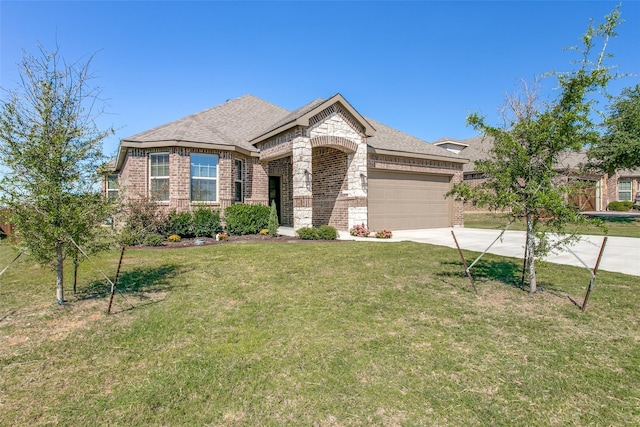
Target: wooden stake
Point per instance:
(115, 281)
(464, 263)
(593, 276)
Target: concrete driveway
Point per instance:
(621, 254)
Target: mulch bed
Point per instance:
(205, 241)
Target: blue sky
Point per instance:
(420, 67)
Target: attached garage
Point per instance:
(405, 201)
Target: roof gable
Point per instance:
(301, 117)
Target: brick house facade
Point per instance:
(322, 164)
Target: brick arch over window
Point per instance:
(337, 142)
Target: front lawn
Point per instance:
(327, 334)
(615, 226)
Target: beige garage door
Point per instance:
(400, 201)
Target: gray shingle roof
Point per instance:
(479, 147)
(292, 116)
(387, 138)
(238, 121)
(233, 123)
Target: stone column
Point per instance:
(358, 181)
(302, 183)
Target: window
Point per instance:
(112, 187)
(204, 177)
(159, 176)
(239, 181)
(624, 190)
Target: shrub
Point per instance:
(173, 238)
(153, 239)
(206, 222)
(620, 206)
(180, 224)
(359, 231)
(327, 232)
(130, 237)
(273, 220)
(246, 219)
(324, 232)
(308, 233)
(264, 231)
(144, 216)
(383, 234)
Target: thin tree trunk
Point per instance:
(59, 271)
(75, 272)
(531, 256)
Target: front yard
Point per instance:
(328, 334)
(615, 226)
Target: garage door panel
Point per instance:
(408, 201)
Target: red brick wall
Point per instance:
(134, 178)
(329, 179)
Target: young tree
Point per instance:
(51, 149)
(619, 148)
(520, 168)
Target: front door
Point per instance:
(274, 194)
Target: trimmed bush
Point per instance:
(327, 232)
(130, 237)
(153, 239)
(246, 219)
(180, 224)
(324, 232)
(273, 220)
(206, 222)
(620, 206)
(173, 238)
(308, 233)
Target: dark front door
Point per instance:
(274, 194)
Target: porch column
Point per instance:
(302, 183)
(357, 183)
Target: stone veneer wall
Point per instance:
(438, 167)
(339, 136)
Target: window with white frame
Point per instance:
(204, 177)
(159, 176)
(112, 187)
(624, 189)
(239, 181)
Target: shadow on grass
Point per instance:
(507, 272)
(139, 281)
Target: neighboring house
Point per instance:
(596, 190)
(628, 188)
(323, 163)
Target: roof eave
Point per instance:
(373, 150)
(126, 144)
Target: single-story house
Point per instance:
(596, 190)
(323, 163)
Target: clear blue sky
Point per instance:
(420, 67)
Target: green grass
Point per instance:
(327, 334)
(614, 226)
